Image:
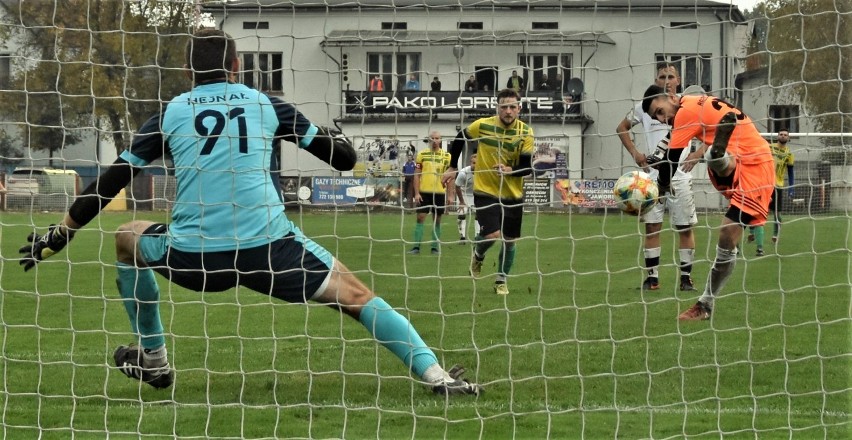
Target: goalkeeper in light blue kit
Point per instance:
(228, 225)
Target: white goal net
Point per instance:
(586, 343)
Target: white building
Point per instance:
(321, 56)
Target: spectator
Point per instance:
(412, 85)
(516, 82)
(436, 85)
(377, 84)
(471, 85)
(545, 83)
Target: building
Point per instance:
(322, 56)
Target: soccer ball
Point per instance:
(635, 192)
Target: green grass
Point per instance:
(575, 351)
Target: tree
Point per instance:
(9, 153)
(105, 64)
(807, 47)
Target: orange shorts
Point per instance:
(749, 189)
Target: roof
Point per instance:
(410, 5)
(356, 37)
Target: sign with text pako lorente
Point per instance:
(446, 102)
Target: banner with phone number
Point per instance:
(583, 193)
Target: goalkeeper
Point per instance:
(228, 225)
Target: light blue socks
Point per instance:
(141, 295)
(397, 334)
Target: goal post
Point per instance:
(576, 349)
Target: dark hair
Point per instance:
(210, 53)
(651, 93)
(666, 65)
(784, 129)
(508, 93)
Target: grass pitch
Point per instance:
(575, 351)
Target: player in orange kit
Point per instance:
(740, 166)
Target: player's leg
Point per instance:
(749, 206)
(684, 218)
(141, 294)
(297, 269)
(759, 237)
(391, 329)
(422, 211)
(723, 266)
(775, 207)
(461, 222)
(653, 220)
(438, 212)
(717, 156)
(511, 231)
(489, 213)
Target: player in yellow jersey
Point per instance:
(783, 158)
(430, 191)
(504, 157)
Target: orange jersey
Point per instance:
(698, 117)
(751, 185)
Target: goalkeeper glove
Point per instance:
(44, 246)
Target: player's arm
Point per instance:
(459, 185)
(418, 171)
(456, 150)
(623, 131)
(149, 143)
(328, 145)
(790, 180)
(522, 168)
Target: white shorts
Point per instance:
(680, 201)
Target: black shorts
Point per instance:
(292, 268)
(494, 216)
(776, 202)
(432, 203)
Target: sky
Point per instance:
(745, 5)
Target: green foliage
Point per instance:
(808, 46)
(9, 153)
(575, 351)
(94, 63)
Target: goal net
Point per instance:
(587, 342)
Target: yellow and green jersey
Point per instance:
(783, 158)
(432, 164)
(498, 144)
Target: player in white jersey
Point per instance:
(464, 194)
(675, 186)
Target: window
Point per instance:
(694, 69)
(395, 68)
(5, 71)
(684, 25)
(391, 25)
(783, 116)
(545, 25)
(255, 25)
(263, 71)
(470, 25)
(553, 65)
